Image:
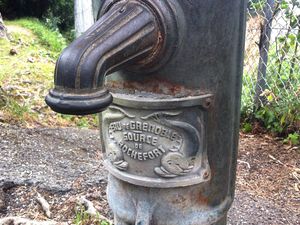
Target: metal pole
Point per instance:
(165, 76)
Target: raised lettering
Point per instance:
(125, 137)
(130, 136)
(129, 151)
(161, 149)
(135, 134)
(145, 127)
(156, 152)
(145, 155)
(132, 125)
(157, 130)
(151, 128)
(136, 137)
(138, 146)
(163, 132)
(154, 141)
(133, 154)
(125, 148)
(138, 126)
(140, 156)
(151, 155)
(148, 140)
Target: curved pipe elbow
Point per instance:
(127, 35)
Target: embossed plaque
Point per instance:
(156, 142)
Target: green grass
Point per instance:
(82, 218)
(53, 40)
(26, 77)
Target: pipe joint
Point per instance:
(134, 35)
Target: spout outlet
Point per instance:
(130, 34)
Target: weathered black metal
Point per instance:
(170, 135)
(130, 34)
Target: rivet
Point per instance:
(208, 102)
(206, 175)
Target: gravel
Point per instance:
(49, 158)
(54, 160)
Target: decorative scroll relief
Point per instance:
(152, 144)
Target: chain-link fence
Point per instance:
(272, 54)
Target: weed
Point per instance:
(281, 118)
(293, 139)
(247, 127)
(82, 218)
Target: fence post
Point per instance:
(264, 44)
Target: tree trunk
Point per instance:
(3, 30)
(84, 17)
(264, 44)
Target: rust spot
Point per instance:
(202, 200)
(180, 200)
(156, 50)
(156, 86)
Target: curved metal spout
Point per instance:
(128, 35)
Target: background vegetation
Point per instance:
(56, 14)
(27, 61)
(51, 23)
(271, 85)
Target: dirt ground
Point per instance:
(65, 164)
(268, 182)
